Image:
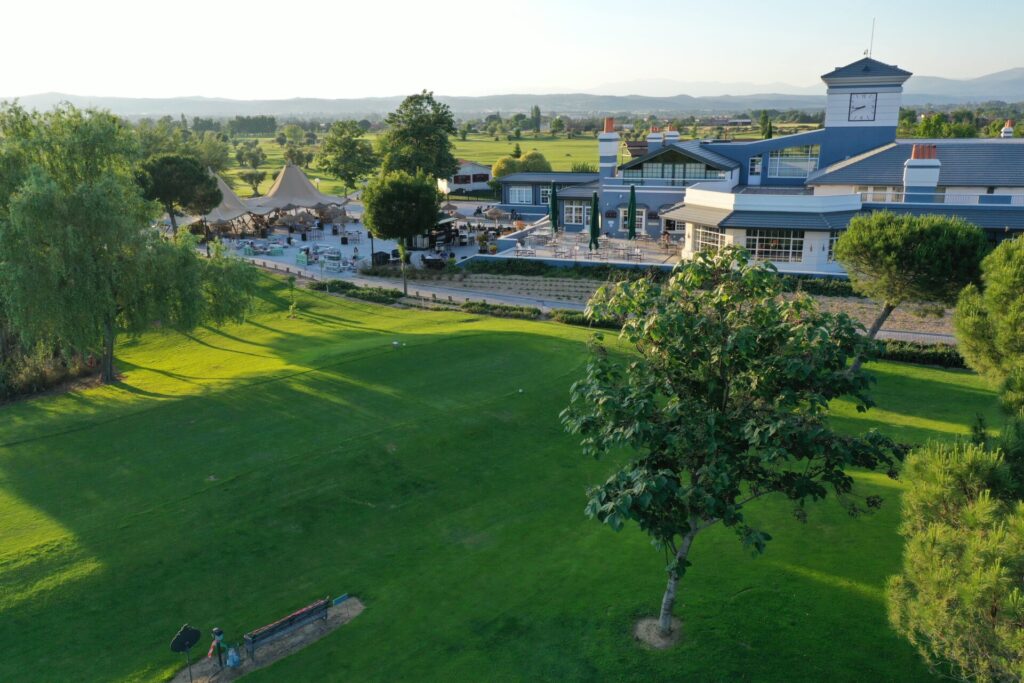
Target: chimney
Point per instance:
(921, 174)
(608, 149)
(654, 140)
(671, 135)
(1007, 131)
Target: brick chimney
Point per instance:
(921, 174)
(608, 149)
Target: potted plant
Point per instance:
(492, 248)
(481, 241)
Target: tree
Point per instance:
(517, 151)
(104, 272)
(957, 598)
(724, 400)
(901, 258)
(294, 134)
(281, 139)
(250, 154)
(417, 138)
(253, 180)
(346, 154)
(505, 166)
(763, 123)
(464, 131)
(989, 322)
(399, 206)
(534, 162)
(295, 155)
(177, 182)
(583, 167)
(769, 133)
(535, 118)
(557, 125)
(210, 151)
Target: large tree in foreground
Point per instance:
(79, 263)
(417, 137)
(989, 322)
(958, 598)
(346, 154)
(722, 399)
(400, 206)
(898, 259)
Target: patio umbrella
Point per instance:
(631, 213)
(595, 229)
(495, 213)
(449, 208)
(553, 209)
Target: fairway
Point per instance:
(237, 474)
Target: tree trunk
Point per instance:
(170, 214)
(886, 311)
(107, 366)
(669, 600)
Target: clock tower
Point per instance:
(864, 95)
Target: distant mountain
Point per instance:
(1007, 86)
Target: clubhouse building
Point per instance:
(787, 199)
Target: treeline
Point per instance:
(985, 121)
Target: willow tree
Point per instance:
(722, 398)
(80, 264)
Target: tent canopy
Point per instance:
(230, 207)
(292, 190)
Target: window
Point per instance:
(633, 173)
(577, 213)
(641, 219)
(481, 177)
(545, 195)
(520, 194)
(754, 165)
(793, 162)
(833, 237)
(707, 238)
(461, 179)
(776, 245)
(653, 170)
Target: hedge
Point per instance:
(502, 310)
(569, 316)
(943, 355)
(377, 295)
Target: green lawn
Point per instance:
(238, 474)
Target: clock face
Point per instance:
(862, 106)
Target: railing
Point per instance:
(881, 197)
(670, 182)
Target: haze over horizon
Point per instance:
(262, 50)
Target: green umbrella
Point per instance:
(595, 229)
(553, 209)
(631, 213)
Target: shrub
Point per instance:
(377, 295)
(943, 355)
(502, 310)
(567, 316)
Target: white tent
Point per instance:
(230, 207)
(292, 190)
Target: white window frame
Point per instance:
(778, 245)
(576, 212)
(707, 238)
(515, 195)
(833, 237)
(545, 195)
(754, 165)
(641, 218)
(793, 162)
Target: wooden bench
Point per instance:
(281, 627)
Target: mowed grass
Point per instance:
(238, 474)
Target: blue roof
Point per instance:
(558, 177)
(989, 217)
(990, 162)
(725, 218)
(866, 69)
(691, 148)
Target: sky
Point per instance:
(341, 49)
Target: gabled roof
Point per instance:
(691, 148)
(866, 70)
(557, 177)
(989, 162)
